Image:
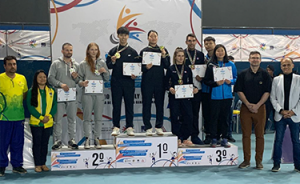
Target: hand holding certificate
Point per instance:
(66, 96)
(132, 69)
(199, 70)
(151, 57)
(184, 91)
(222, 73)
(94, 86)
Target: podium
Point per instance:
(142, 151)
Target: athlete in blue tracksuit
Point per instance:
(221, 95)
(153, 84)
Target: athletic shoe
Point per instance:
(149, 132)
(213, 143)
(57, 145)
(276, 168)
(20, 170)
(224, 143)
(207, 139)
(196, 140)
(159, 131)
(72, 144)
(97, 143)
(244, 165)
(259, 166)
(130, 131)
(231, 139)
(115, 132)
(87, 143)
(2, 171)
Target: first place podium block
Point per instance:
(146, 151)
(82, 159)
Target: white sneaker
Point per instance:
(97, 143)
(159, 131)
(149, 132)
(130, 131)
(87, 143)
(115, 132)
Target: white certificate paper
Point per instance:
(151, 57)
(66, 96)
(222, 73)
(184, 91)
(132, 68)
(94, 86)
(199, 70)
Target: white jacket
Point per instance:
(277, 97)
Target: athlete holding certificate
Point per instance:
(92, 72)
(179, 74)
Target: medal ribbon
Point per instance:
(177, 71)
(190, 58)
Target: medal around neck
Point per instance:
(117, 55)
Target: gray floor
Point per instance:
(209, 174)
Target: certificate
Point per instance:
(66, 96)
(199, 70)
(222, 73)
(184, 91)
(151, 57)
(132, 68)
(94, 86)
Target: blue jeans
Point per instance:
(280, 128)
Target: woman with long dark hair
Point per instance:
(42, 105)
(92, 68)
(221, 94)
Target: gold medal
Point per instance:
(180, 82)
(161, 47)
(192, 67)
(118, 55)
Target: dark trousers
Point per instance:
(182, 130)
(219, 115)
(12, 136)
(117, 92)
(196, 109)
(229, 119)
(40, 140)
(158, 92)
(280, 131)
(206, 112)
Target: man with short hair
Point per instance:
(194, 57)
(122, 86)
(253, 86)
(13, 90)
(63, 73)
(285, 98)
(209, 44)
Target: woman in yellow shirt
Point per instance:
(42, 105)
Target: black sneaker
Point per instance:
(196, 140)
(72, 144)
(231, 139)
(20, 170)
(57, 145)
(207, 140)
(2, 171)
(297, 168)
(276, 168)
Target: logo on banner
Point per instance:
(128, 20)
(32, 43)
(263, 46)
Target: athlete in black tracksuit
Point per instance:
(153, 85)
(197, 97)
(122, 86)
